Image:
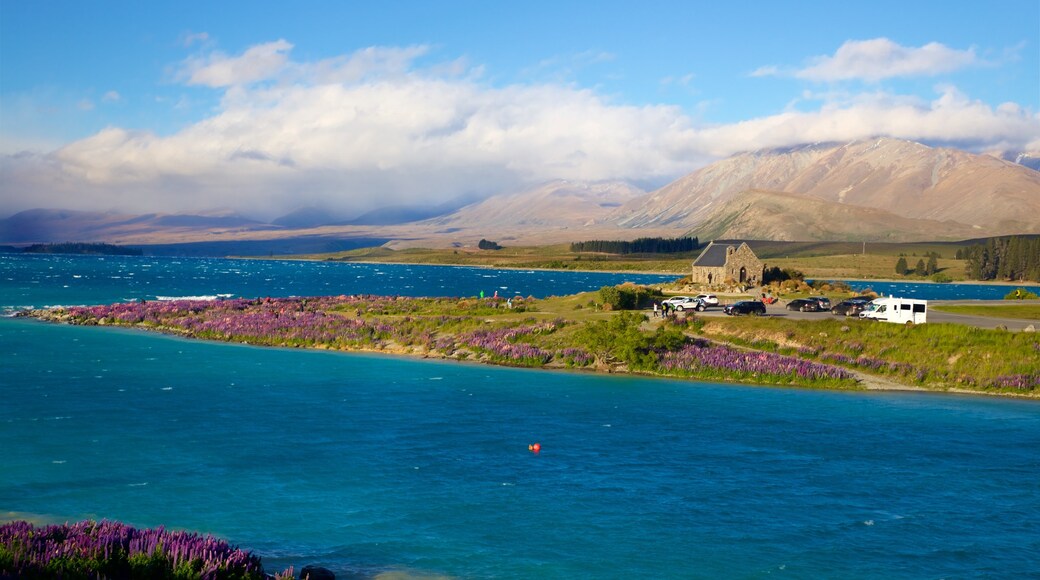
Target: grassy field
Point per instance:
(863, 267)
(1016, 311)
(555, 257)
(817, 260)
(938, 356)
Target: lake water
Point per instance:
(932, 291)
(28, 280)
(372, 464)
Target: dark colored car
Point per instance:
(804, 305)
(823, 301)
(752, 307)
(850, 307)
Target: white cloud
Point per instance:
(681, 81)
(880, 58)
(372, 129)
(950, 118)
(192, 38)
(111, 97)
(260, 62)
(765, 71)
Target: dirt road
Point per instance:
(934, 316)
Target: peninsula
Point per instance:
(585, 331)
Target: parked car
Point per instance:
(676, 300)
(804, 305)
(823, 301)
(708, 299)
(681, 303)
(752, 307)
(696, 304)
(851, 307)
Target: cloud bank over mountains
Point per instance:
(384, 126)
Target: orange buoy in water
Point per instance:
(534, 447)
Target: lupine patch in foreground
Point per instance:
(114, 550)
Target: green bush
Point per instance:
(628, 296)
(619, 338)
(1020, 294)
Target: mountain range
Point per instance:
(872, 190)
(906, 179)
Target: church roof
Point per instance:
(714, 255)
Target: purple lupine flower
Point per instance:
(58, 550)
(700, 356)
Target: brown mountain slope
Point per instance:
(772, 215)
(554, 204)
(56, 225)
(902, 177)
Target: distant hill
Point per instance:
(1030, 159)
(387, 216)
(306, 217)
(906, 179)
(555, 204)
(772, 215)
(59, 225)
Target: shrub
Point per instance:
(774, 274)
(627, 296)
(1020, 294)
(620, 338)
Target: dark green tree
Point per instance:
(932, 266)
(901, 266)
(920, 268)
(638, 246)
(1007, 258)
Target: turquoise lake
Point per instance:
(373, 464)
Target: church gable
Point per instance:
(727, 260)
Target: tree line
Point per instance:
(638, 246)
(1005, 258)
(922, 268)
(83, 248)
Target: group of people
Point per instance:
(663, 309)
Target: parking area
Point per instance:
(779, 310)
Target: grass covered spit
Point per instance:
(570, 332)
(484, 330)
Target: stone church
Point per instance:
(727, 260)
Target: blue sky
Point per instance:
(268, 106)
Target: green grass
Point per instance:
(554, 257)
(819, 260)
(1016, 311)
(937, 356)
(934, 356)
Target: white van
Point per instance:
(898, 310)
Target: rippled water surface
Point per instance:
(368, 464)
(37, 280)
